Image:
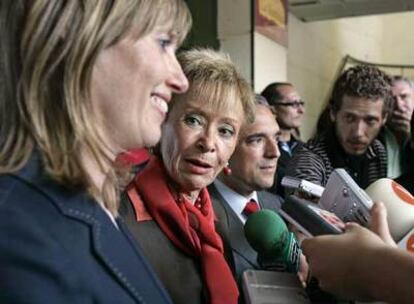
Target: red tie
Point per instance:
(251, 207)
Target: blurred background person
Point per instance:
(73, 87)
(399, 121)
(289, 108)
(395, 135)
(407, 179)
(237, 194)
(168, 207)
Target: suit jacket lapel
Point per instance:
(236, 236)
(269, 201)
(114, 247)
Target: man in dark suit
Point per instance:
(253, 166)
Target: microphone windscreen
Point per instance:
(264, 230)
(399, 204)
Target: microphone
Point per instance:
(277, 250)
(276, 247)
(399, 203)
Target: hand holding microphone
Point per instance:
(353, 264)
(379, 223)
(350, 203)
(340, 262)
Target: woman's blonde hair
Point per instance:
(215, 79)
(48, 50)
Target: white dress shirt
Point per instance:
(236, 201)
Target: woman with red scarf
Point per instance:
(167, 206)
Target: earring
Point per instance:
(227, 170)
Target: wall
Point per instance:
(234, 27)
(399, 40)
(270, 62)
(316, 50)
(234, 33)
(204, 30)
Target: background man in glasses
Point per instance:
(359, 105)
(289, 108)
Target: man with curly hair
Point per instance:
(358, 108)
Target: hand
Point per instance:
(303, 272)
(339, 262)
(379, 224)
(400, 123)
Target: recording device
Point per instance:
(343, 197)
(302, 186)
(309, 218)
(260, 286)
(400, 206)
(276, 247)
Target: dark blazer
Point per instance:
(180, 273)
(59, 246)
(231, 230)
(282, 164)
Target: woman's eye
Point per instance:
(226, 131)
(165, 42)
(193, 120)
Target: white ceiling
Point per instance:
(314, 10)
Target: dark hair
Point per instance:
(272, 93)
(362, 81)
(260, 100)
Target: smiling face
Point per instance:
(254, 161)
(132, 82)
(198, 139)
(357, 123)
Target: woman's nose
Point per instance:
(206, 142)
(178, 82)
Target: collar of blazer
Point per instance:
(113, 246)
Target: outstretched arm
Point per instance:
(360, 265)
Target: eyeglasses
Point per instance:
(295, 104)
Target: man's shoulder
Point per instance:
(269, 200)
(316, 144)
(378, 147)
(314, 149)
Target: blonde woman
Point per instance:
(169, 209)
(81, 81)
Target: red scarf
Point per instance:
(190, 228)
